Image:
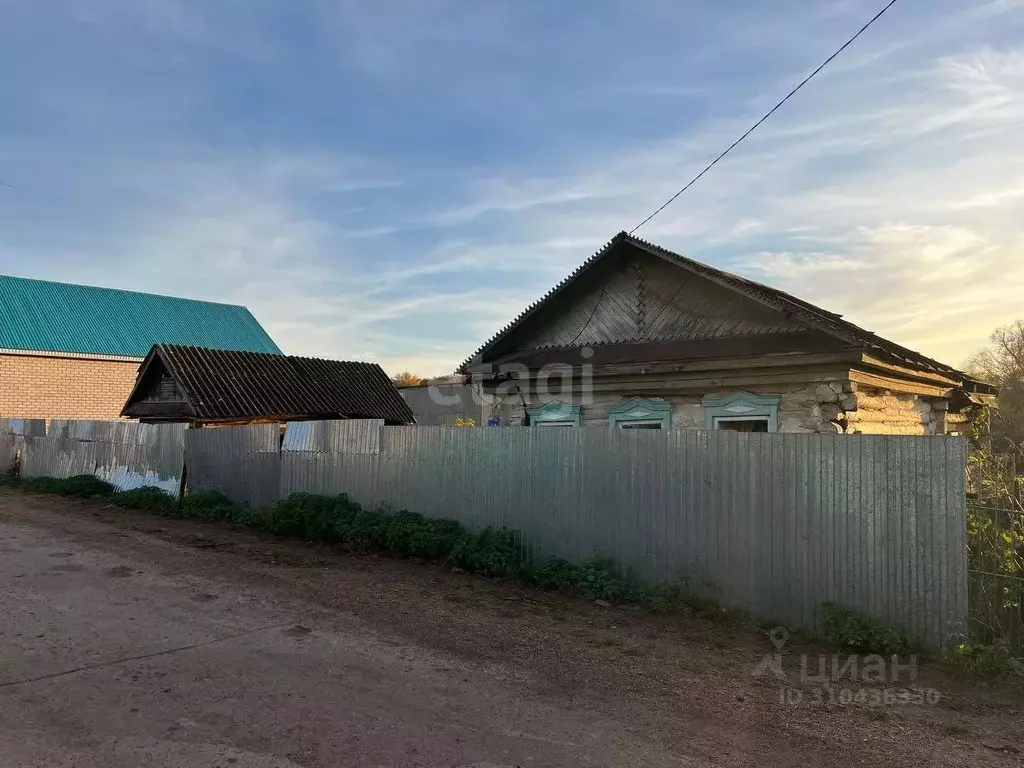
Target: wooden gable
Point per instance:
(157, 395)
(639, 298)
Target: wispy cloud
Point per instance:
(396, 180)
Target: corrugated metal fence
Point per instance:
(12, 439)
(773, 523)
(243, 463)
(776, 524)
(126, 454)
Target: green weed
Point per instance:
(857, 633)
(148, 499)
(988, 661)
(83, 486)
(340, 520)
(207, 506)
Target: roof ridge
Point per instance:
(826, 321)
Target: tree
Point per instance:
(1002, 364)
(406, 379)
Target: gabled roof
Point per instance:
(816, 317)
(227, 385)
(44, 316)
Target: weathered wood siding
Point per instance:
(647, 299)
(824, 406)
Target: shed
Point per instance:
(220, 387)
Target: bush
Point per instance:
(206, 505)
(492, 552)
(857, 633)
(148, 499)
(599, 579)
(83, 486)
(991, 661)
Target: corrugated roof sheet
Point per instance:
(820, 318)
(226, 385)
(61, 317)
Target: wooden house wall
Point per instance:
(826, 406)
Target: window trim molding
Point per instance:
(554, 412)
(641, 409)
(739, 406)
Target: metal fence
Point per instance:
(126, 454)
(776, 524)
(12, 440)
(243, 463)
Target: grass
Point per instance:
(339, 520)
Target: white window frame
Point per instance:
(641, 410)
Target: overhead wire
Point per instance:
(771, 112)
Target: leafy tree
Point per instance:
(1002, 363)
(406, 379)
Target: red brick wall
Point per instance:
(36, 387)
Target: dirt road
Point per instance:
(128, 640)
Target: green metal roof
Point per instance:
(60, 317)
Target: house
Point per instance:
(206, 387)
(72, 351)
(639, 337)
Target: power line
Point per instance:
(755, 126)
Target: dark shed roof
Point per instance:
(224, 385)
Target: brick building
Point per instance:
(73, 351)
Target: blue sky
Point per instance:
(394, 180)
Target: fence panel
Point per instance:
(774, 524)
(125, 454)
(12, 440)
(243, 463)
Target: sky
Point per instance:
(395, 180)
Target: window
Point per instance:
(742, 412)
(555, 414)
(742, 425)
(641, 413)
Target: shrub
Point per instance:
(149, 499)
(307, 516)
(992, 661)
(599, 579)
(206, 505)
(855, 632)
(492, 552)
(84, 486)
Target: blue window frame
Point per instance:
(555, 414)
(742, 408)
(641, 413)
